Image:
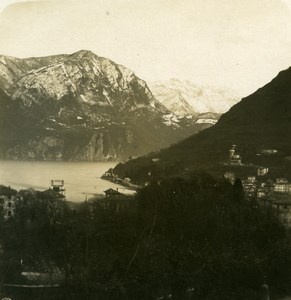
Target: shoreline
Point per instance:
(116, 180)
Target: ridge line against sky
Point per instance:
(240, 44)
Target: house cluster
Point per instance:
(254, 186)
(276, 193)
(115, 179)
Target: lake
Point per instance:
(81, 178)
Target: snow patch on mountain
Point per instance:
(172, 100)
(206, 121)
(171, 120)
(200, 98)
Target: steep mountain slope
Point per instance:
(201, 98)
(259, 122)
(81, 107)
(172, 100)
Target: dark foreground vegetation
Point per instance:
(195, 238)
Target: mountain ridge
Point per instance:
(201, 98)
(83, 107)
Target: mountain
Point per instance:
(195, 98)
(203, 104)
(81, 107)
(172, 100)
(259, 123)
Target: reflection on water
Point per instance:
(79, 177)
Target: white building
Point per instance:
(230, 176)
(262, 171)
(8, 198)
(281, 185)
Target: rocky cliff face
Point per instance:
(81, 107)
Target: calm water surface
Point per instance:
(79, 177)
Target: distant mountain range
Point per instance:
(81, 107)
(259, 123)
(186, 98)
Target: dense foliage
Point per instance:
(195, 239)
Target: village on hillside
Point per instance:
(260, 186)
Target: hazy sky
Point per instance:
(241, 44)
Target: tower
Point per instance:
(231, 153)
(58, 186)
